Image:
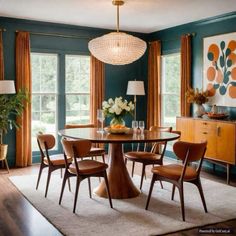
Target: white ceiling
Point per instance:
(135, 15)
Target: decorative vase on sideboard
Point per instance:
(200, 110)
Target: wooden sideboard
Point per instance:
(220, 136)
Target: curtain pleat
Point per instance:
(1, 58)
(23, 81)
(185, 72)
(97, 87)
(154, 84)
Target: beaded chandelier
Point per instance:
(117, 48)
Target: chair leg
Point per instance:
(143, 172)
(48, 181)
(173, 192)
(161, 184)
(89, 185)
(181, 195)
(76, 193)
(199, 186)
(63, 187)
(150, 190)
(103, 158)
(6, 164)
(132, 173)
(39, 176)
(69, 184)
(108, 189)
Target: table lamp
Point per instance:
(135, 88)
(7, 87)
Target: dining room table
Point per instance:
(120, 183)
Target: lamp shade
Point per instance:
(117, 48)
(135, 88)
(7, 87)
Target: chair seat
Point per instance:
(141, 156)
(174, 172)
(57, 159)
(87, 167)
(94, 151)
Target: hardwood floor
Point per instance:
(18, 217)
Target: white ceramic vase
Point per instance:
(200, 110)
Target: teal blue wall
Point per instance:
(170, 39)
(116, 77)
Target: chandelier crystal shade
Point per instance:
(117, 48)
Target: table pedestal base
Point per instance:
(120, 183)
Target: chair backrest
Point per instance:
(76, 148)
(46, 141)
(160, 129)
(72, 126)
(159, 147)
(192, 151)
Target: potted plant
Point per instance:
(11, 106)
(198, 97)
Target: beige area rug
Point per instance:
(95, 217)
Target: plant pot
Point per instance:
(3, 151)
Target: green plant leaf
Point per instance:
(227, 52)
(222, 90)
(210, 56)
(222, 45)
(216, 86)
(233, 83)
(222, 62)
(226, 78)
(229, 63)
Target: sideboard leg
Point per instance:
(228, 173)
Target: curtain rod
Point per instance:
(57, 35)
(3, 30)
(167, 40)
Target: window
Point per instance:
(44, 95)
(170, 89)
(77, 89)
(49, 92)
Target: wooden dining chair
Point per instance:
(96, 149)
(46, 142)
(152, 157)
(82, 169)
(178, 174)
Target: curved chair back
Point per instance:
(76, 148)
(72, 126)
(46, 141)
(192, 151)
(156, 147)
(160, 129)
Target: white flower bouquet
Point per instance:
(117, 109)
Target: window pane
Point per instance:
(44, 97)
(170, 90)
(78, 109)
(78, 89)
(77, 74)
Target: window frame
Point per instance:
(60, 90)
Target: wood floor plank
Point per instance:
(18, 217)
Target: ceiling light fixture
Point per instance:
(117, 48)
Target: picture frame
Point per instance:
(219, 69)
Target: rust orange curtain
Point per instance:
(185, 73)
(97, 87)
(154, 85)
(23, 81)
(1, 58)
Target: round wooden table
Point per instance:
(120, 183)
